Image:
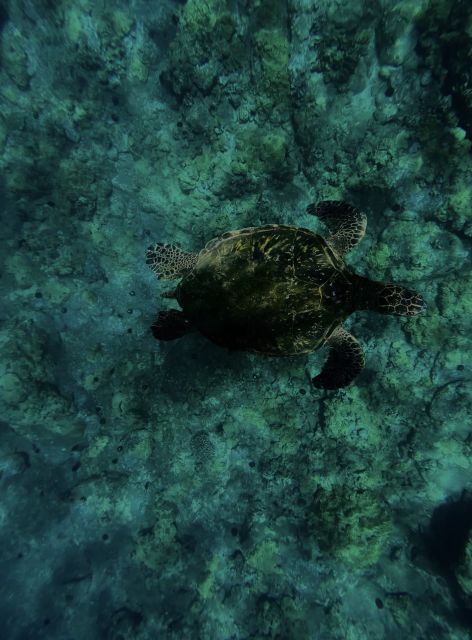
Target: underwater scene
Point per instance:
(236, 336)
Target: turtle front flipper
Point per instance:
(170, 325)
(169, 262)
(345, 361)
(346, 224)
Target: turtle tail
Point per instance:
(396, 300)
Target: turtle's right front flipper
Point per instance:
(345, 361)
(170, 325)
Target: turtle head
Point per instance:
(396, 300)
(399, 301)
(391, 299)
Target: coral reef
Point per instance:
(174, 490)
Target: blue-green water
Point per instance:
(179, 490)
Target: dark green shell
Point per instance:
(265, 289)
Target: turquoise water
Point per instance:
(177, 489)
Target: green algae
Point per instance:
(205, 44)
(234, 499)
(30, 394)
(272, 48)
(350, 526)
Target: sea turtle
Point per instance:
(279, 290)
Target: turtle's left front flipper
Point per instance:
(345, 361)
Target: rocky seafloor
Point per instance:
(176, 490)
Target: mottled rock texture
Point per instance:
(174, 490)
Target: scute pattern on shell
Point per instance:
(211, 244)
(260, 289)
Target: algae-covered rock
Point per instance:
(13, 464)
(428, 331)
(339, 52)
(379, 258)
(417, 254)
(273, 50)
(266, 13)
(445, 42)
(206, 46)
(99, 42)
(228, 496)
(395, 36)
(30, 393)
(350, 525)
(464, 571)
(460, 206)
(455, 300)
(202, 448)
(13, 389)
(13, 56)
(78, 180)
(261, 156)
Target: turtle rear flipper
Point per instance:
(170, 325)
(346, 224)
(169, 262)
(345, 361)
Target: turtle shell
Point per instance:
(263, 289)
